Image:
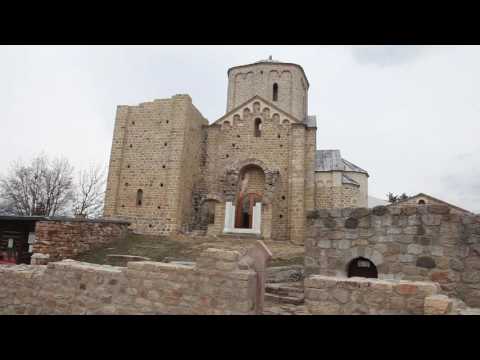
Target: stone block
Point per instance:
(426, 262)
(437, 305)
(414, 249)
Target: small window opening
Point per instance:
(275, 92)
(211, 212)
(421, 202)
(139, 197)
(258, 127)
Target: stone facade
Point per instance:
(171, 171)
(215, 285)
(418, 243)
(66, 238)
(154, 163)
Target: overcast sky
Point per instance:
(409, 115)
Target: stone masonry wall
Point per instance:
(281, 151)
(215, 285)
(61, 239)
(418, 243)
(156, 148)
(257, 79)
(326, 295)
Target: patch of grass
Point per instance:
(297, 260)
(156, 248)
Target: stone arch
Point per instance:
(233, 172)
(246, 113)
(256, 107)
(239, 164)
(274, 74)
(286, 74)
(362, 267)
(366, 252)
(226, 125)
(266, 112)
(212, 197)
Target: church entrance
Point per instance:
(243, 215)
(244, 210)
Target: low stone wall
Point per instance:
(66, 238)
(326, 295)
(215, 285)
(417, 243)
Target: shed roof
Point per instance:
(331, 160)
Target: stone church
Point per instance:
(256, 170)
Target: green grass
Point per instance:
(163, 248)
(156, 248)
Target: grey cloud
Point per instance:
(387, 55)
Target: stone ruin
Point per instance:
(386, 260)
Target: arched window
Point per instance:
(361, 267)
(275, 92)
(139, 197)
(421, 202)
(258, 127)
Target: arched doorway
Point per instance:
(362, 267)
(250, 191)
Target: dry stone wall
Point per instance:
(214, 285)
(418, 243)
(326, 295)
(66, 238)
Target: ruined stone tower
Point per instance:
(255, 171)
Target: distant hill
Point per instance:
(373, 201)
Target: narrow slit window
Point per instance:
(275, 92)
(258, 127)
(139, 197)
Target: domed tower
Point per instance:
(284, 84)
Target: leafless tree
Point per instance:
(89, 192)
(42, 187)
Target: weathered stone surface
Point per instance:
(456, 264)
(359, 213)
(143, 287)
(351, 223)
(410, 242)
(414, 249)
(380, 210)
(341, 295)
(67, 238)
(425, 262)
(437, 305)
(329, 223)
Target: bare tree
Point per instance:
(43, 187)
(89, 192)
(395, 198)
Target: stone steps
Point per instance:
(279, 299)
(289, 293)
(240, 236)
